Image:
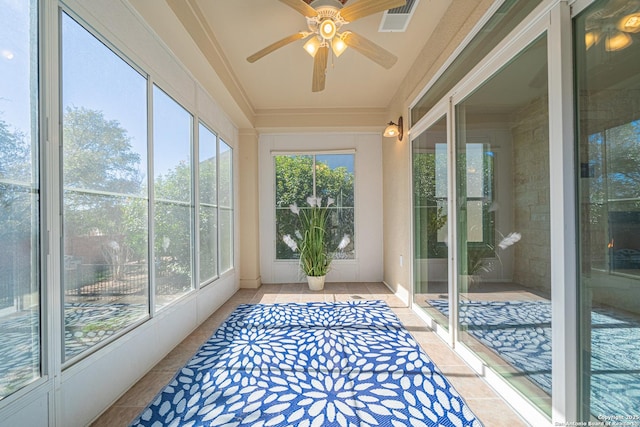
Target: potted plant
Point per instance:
(311, 241)
(480, 259)
(483, 259)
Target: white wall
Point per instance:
(367, 267)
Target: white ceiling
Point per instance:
(228, 31)
(282, 79)
(275, 92)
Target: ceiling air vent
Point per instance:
(397, 20)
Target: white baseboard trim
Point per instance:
(251, 283)
(400, 293)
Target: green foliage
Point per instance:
(16, 199)
(314, 252)
(98, 153)
(424, 179)
(207, 180)
(430, 217)
(294, 179)
(135, 220)
(174, 185)
(623, 161)
(480, 259)
(15, 155)
(172, 222)
(314, 255)
(98, 157)
(294, 183)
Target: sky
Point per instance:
(337, 160)
(89, 71)
(15, 106)
(95, 78)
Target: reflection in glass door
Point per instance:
(503, 231)
(607, 38)
(429, 153)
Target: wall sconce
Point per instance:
(394, 130)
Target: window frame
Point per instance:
(313, 154)
(154, 200)
(62, 10)
(226, 208)
(206, 281)
(196, 118)
(38, 235)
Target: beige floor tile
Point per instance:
(440, 353)
(494, 412)
(482, 400)
(117, 416)
(466, 382)
(141, 394)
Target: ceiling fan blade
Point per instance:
(320, 69)
(301, 7)
(277, 45)
(369, 49)
(364, 8)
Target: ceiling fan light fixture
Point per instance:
(630, 23)
(617, 41)
(591, 38)
(327, 29)
(324, 19)
(338, 46)
(312, 45)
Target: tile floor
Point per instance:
(490, 409)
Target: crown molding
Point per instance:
(193, 20)
(325, 119)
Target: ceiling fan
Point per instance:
(325, 19)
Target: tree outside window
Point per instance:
(320, 175)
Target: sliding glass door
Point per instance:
(20, 197)
(430, 222)
(608, 93)
(503, 237)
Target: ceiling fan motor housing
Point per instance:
(319, 4)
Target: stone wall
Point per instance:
(530, 133)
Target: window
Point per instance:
(321, 175)
(430, 193)
(477, 166)
(208, 206)
(105, 196)
(19, 197)
(215, 205)
(430, 220)
(506, 18)
(226, 206)
(172, 225)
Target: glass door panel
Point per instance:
(502, 179)
(430, 250)
(20, 309)
(607, 38)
